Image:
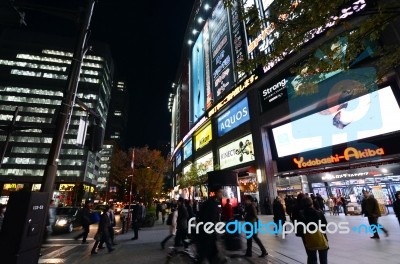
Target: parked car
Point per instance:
(125, 210)
(66, 219)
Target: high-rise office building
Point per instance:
(33, 72)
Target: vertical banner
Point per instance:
(207, 70)
(221, 52)
(198, 87)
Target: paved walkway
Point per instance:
(351, 248)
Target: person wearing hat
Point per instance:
(396, 206)
(251, 217)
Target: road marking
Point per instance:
(58, 252)
(52, 261)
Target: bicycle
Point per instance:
(189, 255)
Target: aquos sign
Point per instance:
(234, 117)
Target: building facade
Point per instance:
(261, 126)
(33, 73)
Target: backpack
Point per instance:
(169, 219)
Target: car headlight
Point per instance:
(62, 222)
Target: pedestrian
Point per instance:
(209, 212)
(85, 221)
(279, 214)
(51, 217)
(189, 208)
(172, 227)
(396, 206)
(344, 204)
(2, 214)
(331, 205)
(182, 223)
(227, 212)
(251, 217)
(163, 211)
(158, 209)
(311, 215)
(321, 203)
(104, 231)
(370, 209)
(315, 202)
(110, 215)
(136, 220)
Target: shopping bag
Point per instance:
(315, 241)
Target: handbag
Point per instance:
(97, 237)
(315, 241)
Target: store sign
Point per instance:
(238, 152)
(349, 154)
(66, 187)
(344, 175)
(13, 186)
(187, 149)
(234, 117)
(205, 163)
(273, 95)
(86, 188)
(178, 159)
(204, 137)
(36, 187)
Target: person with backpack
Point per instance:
(171, 221)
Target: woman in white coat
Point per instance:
(172, 227)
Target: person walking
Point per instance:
(163, 211)
(251, 217)
(311, 215)
(331, 205)
(321, 203)
(172, 227)
(104, 231)
(136, 220)
(279, 214)
(182, 223)
(396, 206)
(371, 210)
(344, 204)
(267, 206)
(111, 215)
(85, 221)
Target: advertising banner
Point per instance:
(222, 74)
(235, 116)
(204, 137)
(238, 152)
(273, 95)
(198, 87)
(187, 149)
(205, 163)
(239, 43)
(178, 159)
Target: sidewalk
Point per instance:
(344, 248)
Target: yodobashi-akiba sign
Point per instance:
(273, 95)
(234, 117)
(238, 152)
(187, 149)
(204, 137)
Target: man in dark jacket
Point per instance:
(136, 220)
(181, 223)
(251, 217)
(371, 210)
(85, 221)
(104, 230)
(396, 206)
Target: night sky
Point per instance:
(146, 38)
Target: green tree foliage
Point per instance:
(291, 24)
(150, 169)
(196, 176)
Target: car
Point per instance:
(67, 218)
(125, 210)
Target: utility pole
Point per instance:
(67, 103)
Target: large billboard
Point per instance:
(205, 163)
(234, 117)
(198, 85)
(203, 137)
(369, 115)
(235, 153)
(187, 149)
(222, 73)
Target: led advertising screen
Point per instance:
(198, 87)
(370, 115)
(203, 137)
(187, 149)
(205, 163)
(234, 117)
(222, 75)
(235, 153)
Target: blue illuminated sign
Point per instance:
(178, 159)
(187, 149)
(237, 115)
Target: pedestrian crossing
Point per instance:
(60, 253)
